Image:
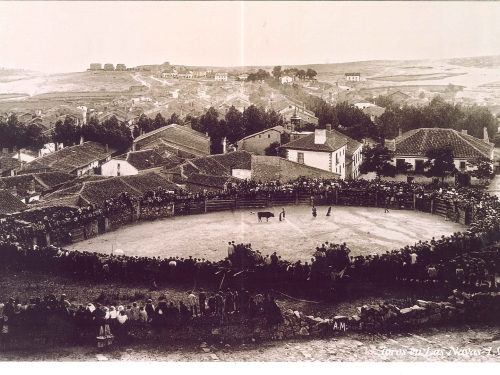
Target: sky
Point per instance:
(60, 36)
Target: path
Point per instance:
(163, 82)
(476, 343)
(137, 77)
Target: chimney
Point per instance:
(134, 146)
(329, 127)
(319, 136)
(464, 131)
(81, 140)
(486, 138)
(31, 187)
(13, 191)
(19, 156)
(400, 131)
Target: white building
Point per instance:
(134, 162)
(412, 147)
(221, 77)
(356, 77)
(286, 79)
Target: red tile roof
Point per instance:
(9, 203)
(419, 141)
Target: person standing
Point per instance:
(192, 303)
(314, 213)
(329, 211)
(202, 298)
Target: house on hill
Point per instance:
(135, 162)
(76, 160)
(412, 146)
(399, 98)
(177, 139)
(353, 77)
(329, 150)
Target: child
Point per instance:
(143, 315)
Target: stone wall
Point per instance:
(156, 212)
(458, 308)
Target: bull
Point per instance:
(266, 214)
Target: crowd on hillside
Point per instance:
(37, 317)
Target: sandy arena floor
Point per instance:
(365, 230)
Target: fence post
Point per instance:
(296, 197)
(376, 198)
(414, 202)
(432, 206)
(205, 201)
(336, 196)
(236, 202)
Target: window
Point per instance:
(259, 135)
(300, 157)
(419, 165)
(400, 164)
(269, 136)
(462, 165)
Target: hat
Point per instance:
(120, 308)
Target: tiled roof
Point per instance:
(177, 136)
(209, 165)
(145, 159)
(22, 183)
(209, 180)
(235, 160)
(53, 179)
(9, 203)
(334, 141)
(278, 129)
(418, 142)
(7, 163)
(71, 158)
(99, 191)
(148, 181)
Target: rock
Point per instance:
(100, 357)
(304, 331)
(214, 357)
(206, 350)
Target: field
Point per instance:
(365, 230)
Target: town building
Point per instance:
(76, 160)
(177, 139)
(412, 147)
(121, 67)
(286, 79)
(9, 203)
(329, 150)
(133, 162)
(356, 77)
(96, 66)
(109, 67)
(258, 142)
(221, 77)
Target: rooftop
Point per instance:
(419, 141)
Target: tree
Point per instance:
(277, 72)
(440, 162)
(33, 137)
(174, 119)
(90, 131)
(136, 132)
(311, 73)
(159, 121)
(234, 125)
(377, 159)
(252, 120)
(301, 74)
(144, 124)
(67, 132)
(272, 150)
(482, 168)
(115, 134)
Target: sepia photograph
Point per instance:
(249, 182)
